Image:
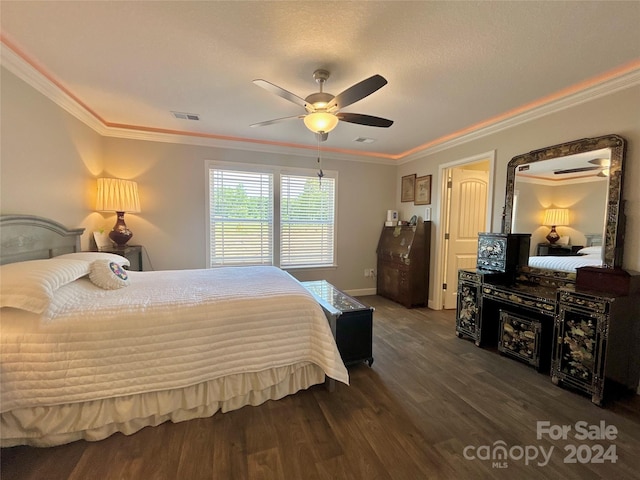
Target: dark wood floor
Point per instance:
(428, 398)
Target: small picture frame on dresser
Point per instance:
(102, 240)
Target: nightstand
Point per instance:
(548, 249)
(133, 253)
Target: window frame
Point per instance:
(277, 171)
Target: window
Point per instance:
(306, 220)
(241, 218)
(269, 216)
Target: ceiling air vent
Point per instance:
(186, 116)
(364, 140)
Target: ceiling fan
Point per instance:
(323, 109)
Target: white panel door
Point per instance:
(468, 216)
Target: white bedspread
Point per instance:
(565, 263)
(166, 330)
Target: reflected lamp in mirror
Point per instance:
(120, 196)
(554, 217)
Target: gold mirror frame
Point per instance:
(614, 224)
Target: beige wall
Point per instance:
(586, 203)
(172, 183)
(48, 159)
(616, 113)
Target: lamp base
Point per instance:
(120, 234)
(552, 236)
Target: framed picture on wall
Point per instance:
(422, 193)
(407, 188)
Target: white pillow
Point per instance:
(108, 275)
(590, 251)
(93, 256)
(30, 285)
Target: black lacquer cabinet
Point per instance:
(594, 342)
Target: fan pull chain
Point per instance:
(320, 172)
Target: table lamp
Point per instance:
(120, 196)
(554, 217)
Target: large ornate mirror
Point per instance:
(575, 190)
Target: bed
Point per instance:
(565, 264)
(89, 349)
(588, 256)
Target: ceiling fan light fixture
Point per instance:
(321, 122)
(323, 109)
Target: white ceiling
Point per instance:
(450, 65)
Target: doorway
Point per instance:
(466, 210)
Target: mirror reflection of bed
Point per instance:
(576, 181)
(589, 256)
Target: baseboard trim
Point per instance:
(361, 292)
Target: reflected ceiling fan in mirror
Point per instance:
(601, 164)
(575, 170)
(323, 109)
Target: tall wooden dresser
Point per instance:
(403, 264)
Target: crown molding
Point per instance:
(215, 142)
(34, 77)
(607, 87)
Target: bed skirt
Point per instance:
(96, 420)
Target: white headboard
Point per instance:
(27, 237)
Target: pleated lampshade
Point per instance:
(556, 216)
(117, 195)
(120, 196)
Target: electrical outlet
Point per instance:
(366, 272)
(371, 272)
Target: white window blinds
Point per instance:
(307, 214)
(241, 217)
(271, 216)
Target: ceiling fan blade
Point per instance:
(364, 119)
(575, 170)
(358, 91)
(281, 92)
(276, 120)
